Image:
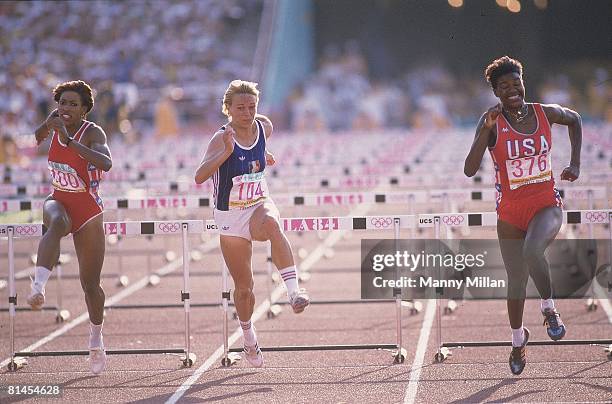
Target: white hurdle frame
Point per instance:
(182, 228)
(231, 355)
(569, 217)
(185, 227)
(328, 198)
(426, 220)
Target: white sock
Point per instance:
(518, 336)
(249, 332)
(290, 278)
(546, 304)
(95, 335)
(41, 276)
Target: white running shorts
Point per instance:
(236, 222)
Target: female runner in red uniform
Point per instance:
(78, 154)
(518, 135)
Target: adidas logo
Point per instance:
(241, 158)
(505, 129)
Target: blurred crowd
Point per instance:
(159, 58)
(342, 96)
(160, 66)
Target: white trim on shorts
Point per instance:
(236, 222)
(87, 221)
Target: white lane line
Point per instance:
(140, 284)
(605, 302)
(257, 314)
(415, 371)
(417, 365)
(25, 273)
(308, 262)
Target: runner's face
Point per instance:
(70, 108)
(511, 91)
(243, 109)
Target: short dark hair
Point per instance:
(501, 66)
(79, 87)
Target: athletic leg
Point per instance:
(58, 224)
(542, 230)
(511, 244)
(90, 246)
(237, 252)
(264, 225)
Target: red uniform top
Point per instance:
(522, 161)
(71, 173)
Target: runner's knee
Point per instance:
(271, 227)
(91, 286)
(533, 252)
(59, 224)
(517, 285)
(243, 293)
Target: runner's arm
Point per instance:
(93, 148)
(43, 130)
(267, 124)
(482, 139)
(216, 153)
(570, 118)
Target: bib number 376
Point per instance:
(529, 170)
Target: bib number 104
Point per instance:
(525, 166)
(250, 190)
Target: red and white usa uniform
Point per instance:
(75, 181)
(523, 173)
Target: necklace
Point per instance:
(521, 114)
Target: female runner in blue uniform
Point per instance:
(236, 158)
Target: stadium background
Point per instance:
(161, 68)
(358, 91)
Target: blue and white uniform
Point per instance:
(240, 186)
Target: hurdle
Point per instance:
(407, 221)
(183, 228)
(591, 304)
(382, 222)
(61, 314)
(589, 217)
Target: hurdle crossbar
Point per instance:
(589, 217)
(470, 344)
(309, 199)
(182, 228)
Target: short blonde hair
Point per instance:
(238, 87)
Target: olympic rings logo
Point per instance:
(27, 230)
(453, 219)
(169, 227)
(597, 217)
(381, 222)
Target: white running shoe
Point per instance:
(36, 298)
(97, 360)
(299, 300)
(253, 355)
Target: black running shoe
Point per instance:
(518, 360)
(554, 326)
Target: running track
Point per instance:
(553, 374)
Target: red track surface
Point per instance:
(553, 374)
